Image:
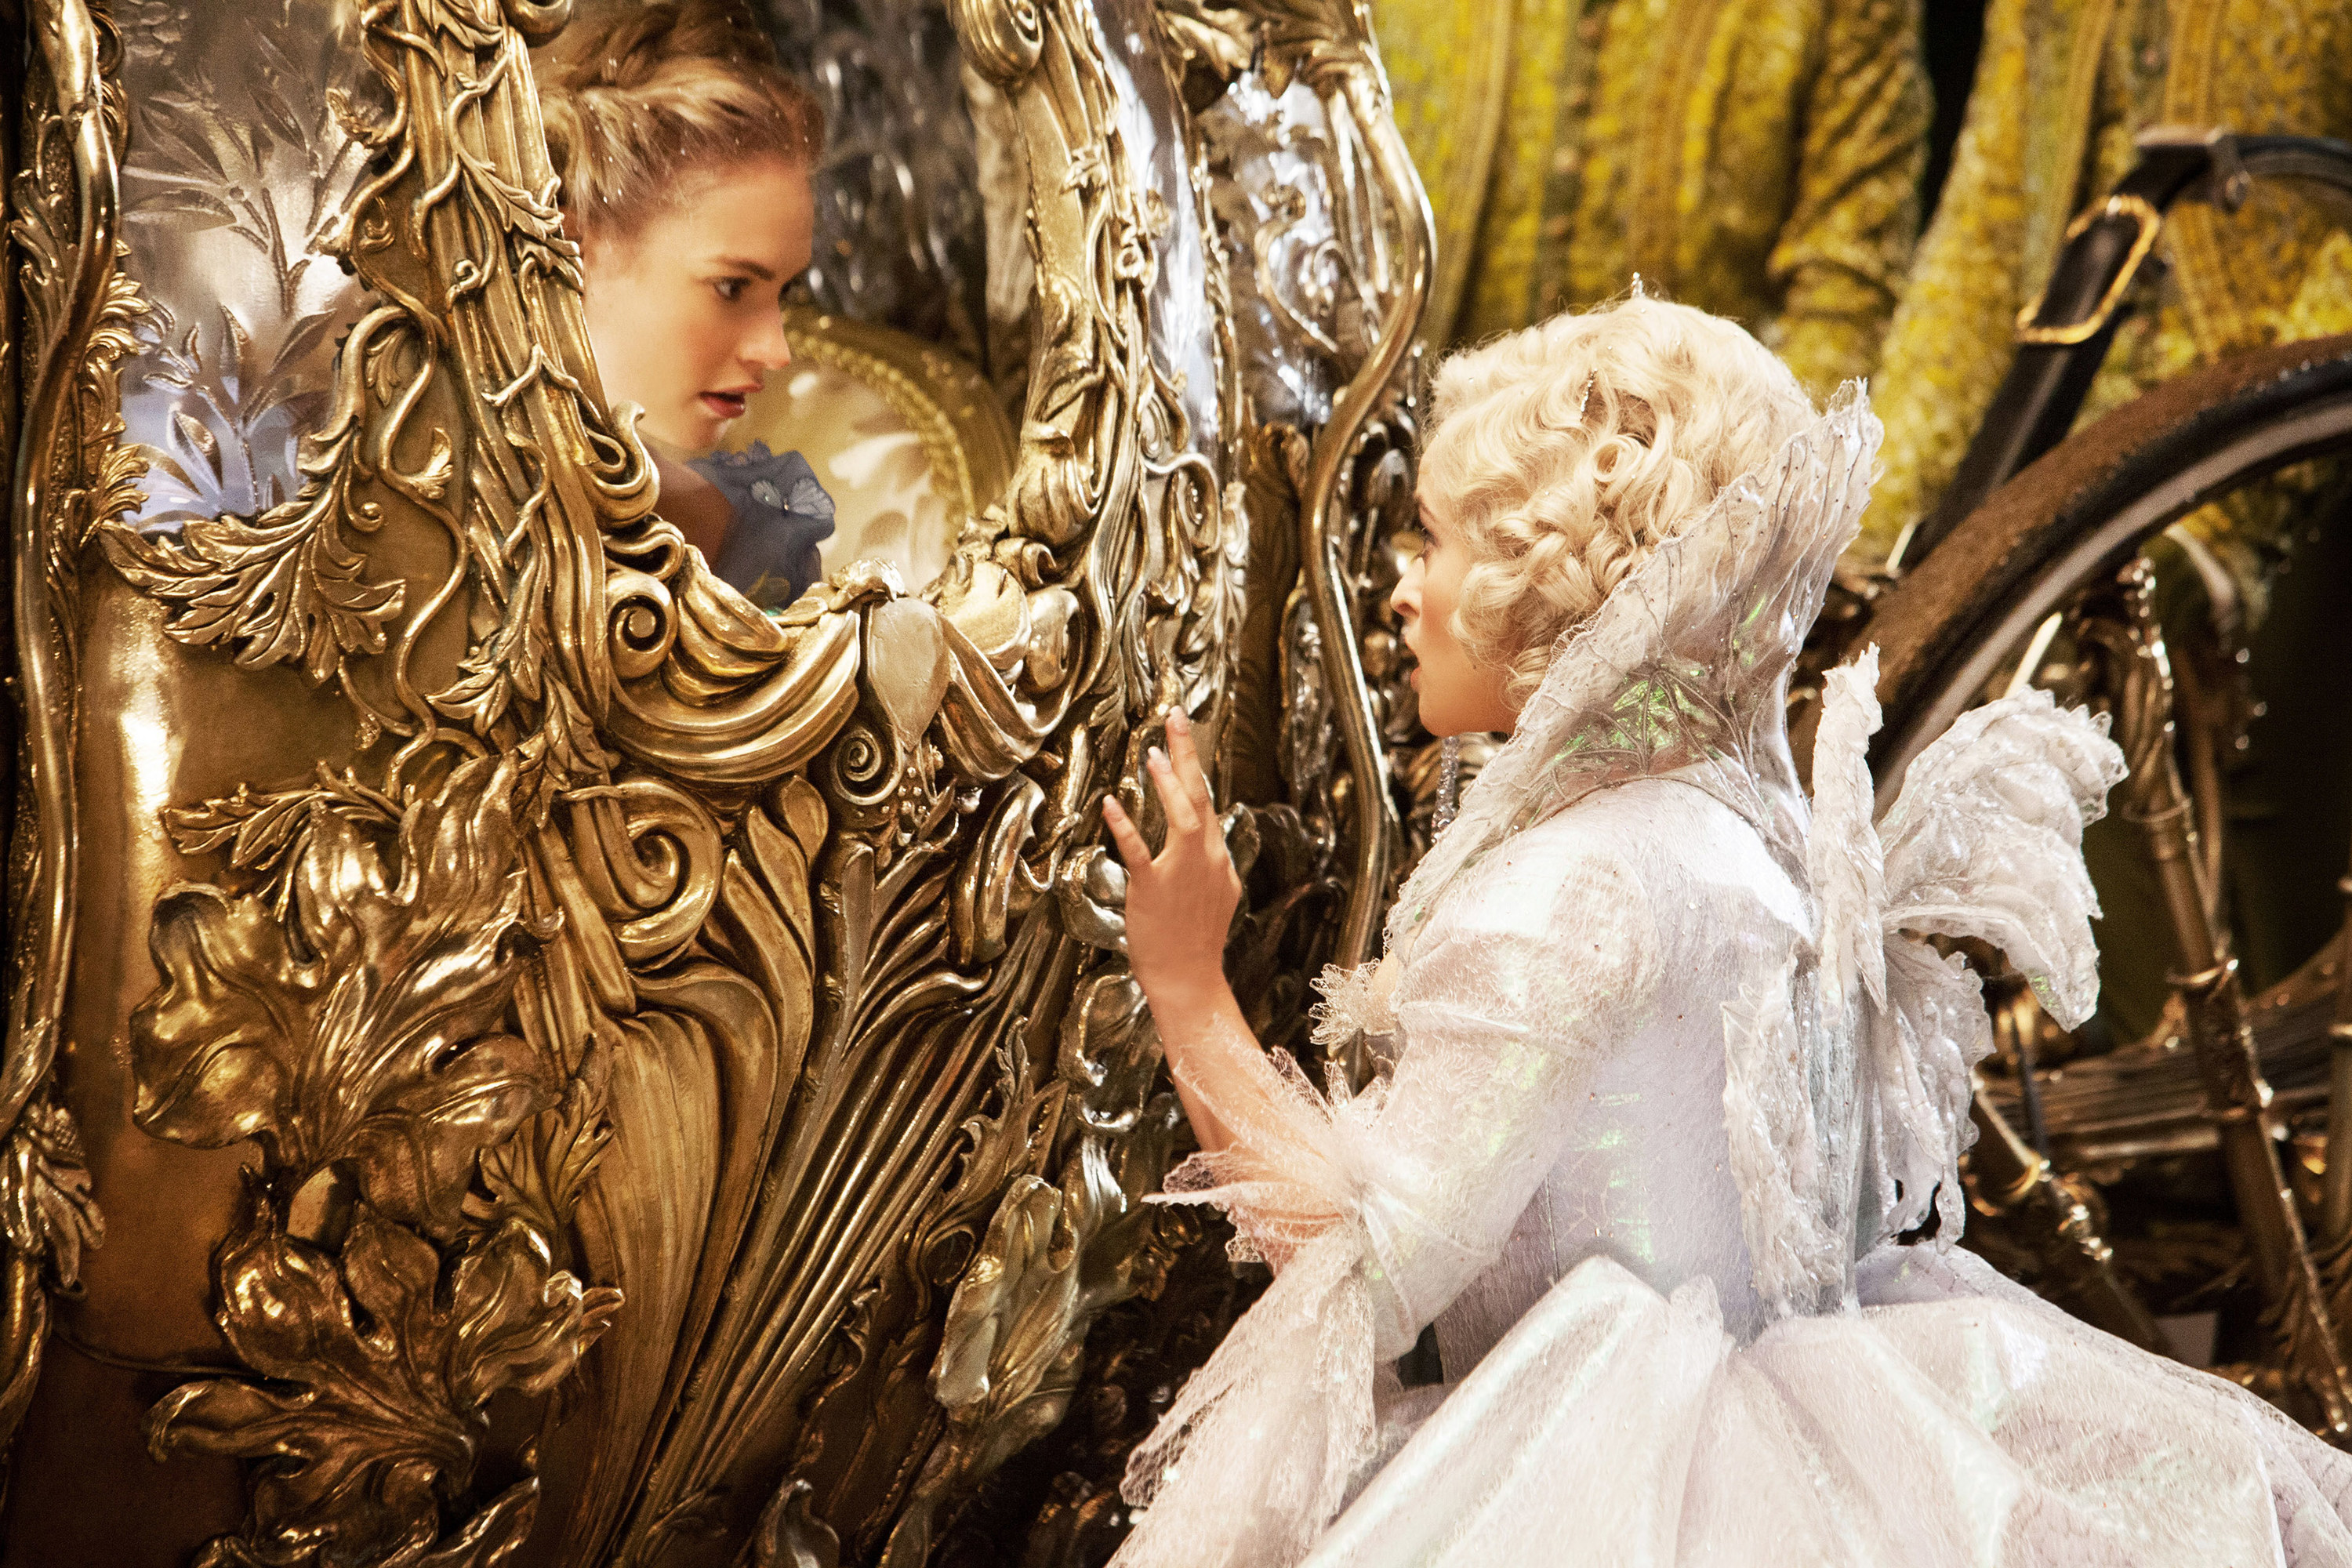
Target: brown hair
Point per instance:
(637, 97)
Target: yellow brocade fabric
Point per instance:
(1756, 159)
(2062, 88)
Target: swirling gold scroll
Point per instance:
(708, 1028)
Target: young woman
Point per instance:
(1673, 1080)
(685, 154)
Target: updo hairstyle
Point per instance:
(634, 97)
(1565, 453)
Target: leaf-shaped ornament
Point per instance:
(378, 1376)
(366, 1025)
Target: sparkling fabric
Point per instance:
(1961, 1422)
(1759, 160)
(2062, 87)
(1670, 1073)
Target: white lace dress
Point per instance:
(1670, 1076)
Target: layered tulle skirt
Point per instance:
(1957, 1419)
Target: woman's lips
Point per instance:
(725, 404)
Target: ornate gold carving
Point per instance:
(450, 996)
(383, 1356)
(1104, 575)
(732, 1004)
(348, 1012)
(289, 586)
(509, 953)
(79, 319)
(1055, 1256)
(1003, 37)
(1328, 45)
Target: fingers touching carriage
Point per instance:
(1185, 798)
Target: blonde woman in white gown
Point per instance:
(1672, 1068)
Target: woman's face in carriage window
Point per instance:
(1457, 696)
(685, 312)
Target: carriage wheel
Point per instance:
(2046, 583)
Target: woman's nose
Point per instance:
(1405, 597)
(769, 349)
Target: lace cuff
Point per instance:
(1353, 1004)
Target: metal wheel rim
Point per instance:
(2325, 426)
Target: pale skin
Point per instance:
(685, 310)
(1181, 903)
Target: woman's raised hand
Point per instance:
(1180, 904)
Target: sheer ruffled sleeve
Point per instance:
(1378, 1208)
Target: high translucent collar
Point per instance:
(1684, 668)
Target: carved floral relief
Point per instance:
(695, 1099)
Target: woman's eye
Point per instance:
(730, 289)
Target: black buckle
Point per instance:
(2123, 206)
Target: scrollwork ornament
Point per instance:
(381, 1363)
(449, 994)
(1001, 37)
(731, 1003)
(537, 20)
(1327, 44)
(80, 317)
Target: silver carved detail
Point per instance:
(239, 167)
(900, 238)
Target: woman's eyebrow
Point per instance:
(757, 271)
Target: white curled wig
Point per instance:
(1563, 455)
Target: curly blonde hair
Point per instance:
(1565, 453)
(640, 95)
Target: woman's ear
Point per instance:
(593, 247)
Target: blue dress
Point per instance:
(780, 515)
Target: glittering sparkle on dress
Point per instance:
(1449, 785)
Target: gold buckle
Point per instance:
(2140, 210)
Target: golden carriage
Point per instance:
(516, 1057)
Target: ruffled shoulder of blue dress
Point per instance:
(782, 515)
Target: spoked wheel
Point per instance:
(2204, 1124)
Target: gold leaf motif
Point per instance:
(381, 1364)
(263, 833)
(539, 1173)
(284, 588)
(364, 1027)
(1054, 1257)
(1008, 1342)
(45, 1207)
(115, 468)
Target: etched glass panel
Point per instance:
(237, 170)
(899, 232)
(1289, 273)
